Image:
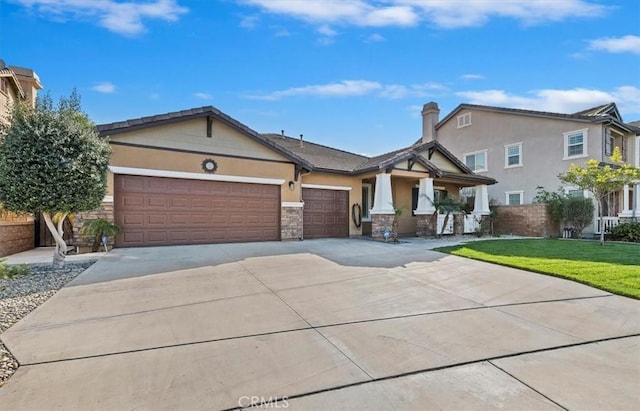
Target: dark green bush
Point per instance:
(626, 232)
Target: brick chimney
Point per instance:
(430, 117)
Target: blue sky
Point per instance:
(347, 73)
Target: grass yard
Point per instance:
(612, 267)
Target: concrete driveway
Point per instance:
(322, 324)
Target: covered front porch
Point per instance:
(403, 194)
(615, 213)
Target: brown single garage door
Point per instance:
(326, 213)
(169, 211)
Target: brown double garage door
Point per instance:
(153, 211)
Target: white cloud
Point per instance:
(349, 88)
(203, 96)
(356, 12)
(249, 22)
(104, 87)
(472, 76)
(374, 38)
(627, 98)
(280, 31)
(343, 88)
(441, 13)
(326, 30)
(119, 17)
(465, 13)
(625, 44)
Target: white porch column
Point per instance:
(481, 205)
(636, 199)
(626, 210)
(425, 197)
(383, 200)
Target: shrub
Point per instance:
(8, 271)
(94, 229)
(626, 232)
(578, 213)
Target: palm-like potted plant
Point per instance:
(96, 229)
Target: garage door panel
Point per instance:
(164, 211)
(325, 213)
(156, 220)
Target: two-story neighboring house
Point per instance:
(17, 84)
(524, 149)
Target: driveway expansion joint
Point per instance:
(528, 386)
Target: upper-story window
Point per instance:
(612, 140)
(3, 85)
(464, 120)
(476, 161)
(638, 151)
(575, 144)
(513, 155)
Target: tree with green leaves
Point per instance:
(601, 179)
(446, 205)
(52, 161)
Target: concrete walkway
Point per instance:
(44, 255)
(322, 324)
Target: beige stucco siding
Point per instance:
(402, 201)
(542, 148)
(192, 135)
(136, 157)
(443, 163)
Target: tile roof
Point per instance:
(319, 156)
(308, 155)
(601, 110)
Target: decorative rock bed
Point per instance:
(22, 294)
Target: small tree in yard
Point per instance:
(575, 212)
(601, 180)
(52, 161)
(446, 205)
(578, 213)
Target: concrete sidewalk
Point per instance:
(325, 324)
(44, 255)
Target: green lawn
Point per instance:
(612, 267)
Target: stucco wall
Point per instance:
(16, 237)
(150, 158)
(542, 148)
(192, 135)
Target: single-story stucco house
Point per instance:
(199, 176)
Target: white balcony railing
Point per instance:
(605, 222)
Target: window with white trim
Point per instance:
(367, 197)
(572, 191)
(514, 197)
(476, 161)
(464, 120)
(513, 155)
(575, 144)
(638, 151)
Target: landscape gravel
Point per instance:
(22, 294)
